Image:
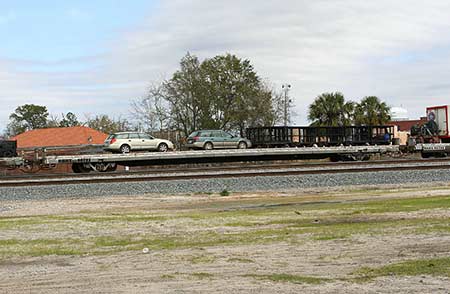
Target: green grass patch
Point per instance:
(110, 244)
(241, 260)
(405, 205)
(244, 223)
(202, 275)
(40, 247)
(8, 223)
(168, 277)
(434, 267)
(202, 259)
(324, 230)
(437, 226)
(110, 218)
(330, 237)
(285, 211)
(21, 222)
(296, 279)
(264, 223)
(271, 209)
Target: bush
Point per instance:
(224, 193)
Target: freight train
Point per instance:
(337, 143)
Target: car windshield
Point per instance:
(193, 134)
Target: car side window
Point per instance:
(122, 136)
(216, 134)
(227, 135)
(145, 136)
(134, 136)
(205, 134)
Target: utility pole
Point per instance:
(286, 88)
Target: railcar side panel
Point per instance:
(8, 148)
(320, 136)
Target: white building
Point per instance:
(399, 114)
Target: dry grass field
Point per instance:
(349, 240)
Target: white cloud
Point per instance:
(398, 50)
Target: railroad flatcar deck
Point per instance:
(149, 158)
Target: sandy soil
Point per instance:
(224, 269)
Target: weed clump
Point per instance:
(225, 192)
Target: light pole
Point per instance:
(286, 88)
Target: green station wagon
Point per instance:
(216, 139)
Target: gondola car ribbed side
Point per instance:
(294, 136)
(8, 148)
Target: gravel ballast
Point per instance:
(216, 185)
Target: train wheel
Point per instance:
(76, 168)
(80, 168)
(112, 167)
(108, 167)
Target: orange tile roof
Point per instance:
(53, 137)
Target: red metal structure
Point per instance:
(440, 115)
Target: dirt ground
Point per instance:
(311, 241)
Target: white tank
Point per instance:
(399, 113)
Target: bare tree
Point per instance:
(281, 105)
(53, 121)
(105, 124)
(151, 111)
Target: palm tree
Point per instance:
(330, 109)
(371, 111)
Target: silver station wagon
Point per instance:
(216, 139)
(125, 142)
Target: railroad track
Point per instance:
(203, 167)
(235, 171)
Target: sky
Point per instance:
(94, 57)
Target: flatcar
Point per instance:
(8, 148)
(295, 136)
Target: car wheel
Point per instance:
(125, 149)
(242, 145)
(163, 147)
(208, 146)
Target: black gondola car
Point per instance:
(320, 136)
(8, 148)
